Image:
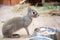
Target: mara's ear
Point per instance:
(29, 8)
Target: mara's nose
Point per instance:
(37, 14)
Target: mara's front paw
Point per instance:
(29, 36)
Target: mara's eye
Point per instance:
(33, 12)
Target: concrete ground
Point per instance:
(7, 12)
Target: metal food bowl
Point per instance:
(44, 33)
(39, 38)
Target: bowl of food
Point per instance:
(45, 33)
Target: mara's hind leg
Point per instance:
(10, 35)
(6, 34)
